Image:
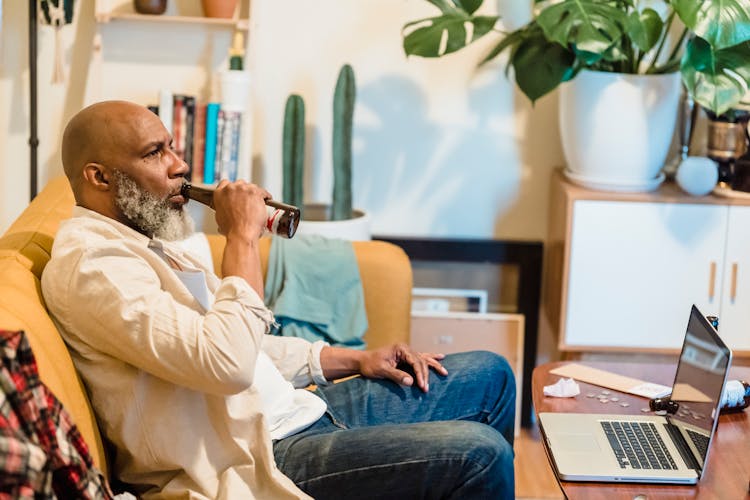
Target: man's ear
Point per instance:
(97, 176)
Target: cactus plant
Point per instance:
(293, 153)
(343, 113)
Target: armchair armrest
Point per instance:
(386, 275)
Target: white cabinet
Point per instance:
(622, 270)
(734, 315)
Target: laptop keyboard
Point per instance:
(637, 445)
(700, 441)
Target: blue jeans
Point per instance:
(381, 440)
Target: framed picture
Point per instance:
(509, 270)
(448, 299)
(451, 332)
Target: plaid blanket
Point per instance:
(42, 454)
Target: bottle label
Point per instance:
(272, 223)
(734, 394)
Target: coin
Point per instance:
(624, 404)
(660, 412)
(603, 400)
(615, 399)
(645, 410)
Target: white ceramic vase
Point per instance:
(617, 129)
(316, 220)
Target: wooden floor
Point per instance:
(534, 477)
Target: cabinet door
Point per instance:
(734, 319)
(635, 269)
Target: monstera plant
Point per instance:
(706, 40)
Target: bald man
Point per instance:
(196, 398)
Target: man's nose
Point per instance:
(179, 167)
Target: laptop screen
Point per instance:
(699, 381)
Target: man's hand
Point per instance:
(386, 362)
(240, 209)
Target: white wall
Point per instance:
(56, 103)
(439, 150)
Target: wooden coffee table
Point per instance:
(727, 474)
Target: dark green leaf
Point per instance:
(717, 79)
(540, 66)
(426, 40)
(587, 58)
(722, 23)
(451, 6)
(589, 25)
(444, 5)
(511, 40)
(470, 6)
(425, 36)
(482, 26)
(644, 29)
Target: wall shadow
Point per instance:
(432, 177)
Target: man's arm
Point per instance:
(242, 258)
(240, 215)
(117, 300)
(385, 362)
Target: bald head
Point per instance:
(114, 152)
(101, 134)
(120, 163)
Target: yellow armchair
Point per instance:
(25, 250)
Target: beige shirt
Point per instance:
(171, 382)
(287, 410)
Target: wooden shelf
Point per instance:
(240, 24)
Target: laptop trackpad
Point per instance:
(581, 443)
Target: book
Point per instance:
(189, 132)
(222, 146)
(212, 129)
(234, 151)
(228, 144)
(166, 102)
(199, 142)
(178, 121)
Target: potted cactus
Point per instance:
(338, 219)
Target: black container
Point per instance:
(150, 6)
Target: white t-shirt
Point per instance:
(287, 410)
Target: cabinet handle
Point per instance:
(733, 291)
(711, 281)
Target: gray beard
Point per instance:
(149, 214)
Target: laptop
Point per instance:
(648, 448)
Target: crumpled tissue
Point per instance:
(563, 388)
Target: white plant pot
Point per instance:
(617, 129)
(316, 220)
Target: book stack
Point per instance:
(204, 135)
